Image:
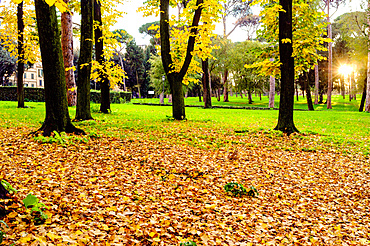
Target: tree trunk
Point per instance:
(296, 90)
(206, 88)
(272, 92)
(317, 84)
(285, 120)
(99, 46)
(67, 48)
(250, 101)
(20, 69)
(218, 94)
(330, 58)
(226, 89)
(367, 107)
(84, 62)
(199, 94)
(57, 116)
(169, 98)
(178, 104)
(308, 93)
(161, 98)
(175, 78)
(342, 87)
(321, 97)
(363, 98)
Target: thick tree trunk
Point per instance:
(363, 98)
(84, 62)
(317, 84)
(285, 120)
(20, 69)
(178, 104)
(99, 45)
(308, 93)
(330, 58)
(272, 92)
(57, 116)
(67, 47)
(206, 87)
(226, 87)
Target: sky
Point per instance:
(132, 21)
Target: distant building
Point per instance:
(33, 77)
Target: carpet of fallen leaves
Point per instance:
(113, 191)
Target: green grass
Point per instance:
(343, 127)
(338, 102)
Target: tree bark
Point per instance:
(363, 98)
(206, 87)
(250, 101)
(272, 92)
(175, 78)
(20, 69)
(67, 47)
(330, 58)
(285, 120)
(226, 88)
(308, 93)
(84, 62)
(317, 84)
(99, 45)
(57, 116)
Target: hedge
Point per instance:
(9, 93)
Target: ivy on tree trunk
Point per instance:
(57, 116)
(84, 62)
(285, 120)
(20, 70)
(99, 45)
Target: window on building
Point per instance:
(32, 76)
(25, 75)
(26, 85)
(40, 82)
(32, 85)
(40, 73)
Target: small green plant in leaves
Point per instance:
(8, 187)
(235, 189)
(238, 190)
(33, 201)
(189, 243)
(252, 192)
(2, 234)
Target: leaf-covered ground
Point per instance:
(146, 191)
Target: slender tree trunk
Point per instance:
(123, 68)
(296, 90)
(342, 87)
(67, 48)
(206, 88)
(317, 84)
(250, 101)
(226, 89)
(57, 116)
(272, 92)
(308, 93)
(20, 69)
(99, 53)
(321, 97)
(218, 94)
(161, 98)
(285, 120)
(363, 98)
(330, 58)
(84, 62)
(367, 105)
(199, 94)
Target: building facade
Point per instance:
(33, 77)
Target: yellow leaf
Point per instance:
(209, 206)
(156, 239)
(25, 239)
(52, 236)
(152, 234)
(12, 215)
(78, 232)
(93, 179)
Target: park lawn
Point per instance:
(140, 178)
(338, 102)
